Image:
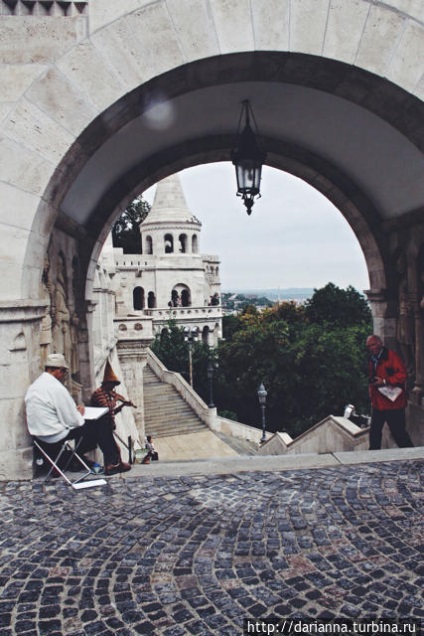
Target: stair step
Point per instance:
(166, 412)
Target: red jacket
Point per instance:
(391, 368)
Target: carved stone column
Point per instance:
(417, 393)
(20, 323)
(86, 351)
(384, 316)
(134, 338)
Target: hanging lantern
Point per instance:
(248, 159)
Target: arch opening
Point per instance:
(315, 155)
(306, 129)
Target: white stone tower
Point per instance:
(171, 279)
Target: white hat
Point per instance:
(57, 361)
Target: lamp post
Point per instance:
(190, 336)
(248, 159)
(262, 393)
(210, 372)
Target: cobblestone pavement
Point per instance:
(198, 554)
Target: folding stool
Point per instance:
(65, 450)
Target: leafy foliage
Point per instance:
(230, 324)
(126, 231)
(173, 350)
(311, 359)
(337, 306)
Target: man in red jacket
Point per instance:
(387, 377)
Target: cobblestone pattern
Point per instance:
(196, 555)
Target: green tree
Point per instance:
(310, 359)
(171, 348)
(287, 310)
(311, 362)
(126, 231)
(328, 368)
(338, 306)
(173, 351)
(230, 324)
(256, 353)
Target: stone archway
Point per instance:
(114, 103)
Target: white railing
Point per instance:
(208, 415)
(177, 313)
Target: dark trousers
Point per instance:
(97, 433)
(91, 434)
(395, 420)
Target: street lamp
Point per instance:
(190, 336)
(248, 159)
(262, 393)
(210, 371)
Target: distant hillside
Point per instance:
(292, 293)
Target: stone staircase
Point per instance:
(241, 446)
(166, 412)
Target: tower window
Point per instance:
(138, 298)
(169, 244)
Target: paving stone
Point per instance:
(211, 550)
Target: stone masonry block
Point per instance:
(9, 409)
(406, 67)
(23, 168)
(379, 41)
(14, 379)
(16, 465)
(414, 8)
(157, 44)
(31, 127)
(5, 109)
(308, 20)
(15, 79)
(18, 207)
(37, 40)
(31, 281)
(55, 95)
(117, 43)
(90, 74)
(346, 19)
(233, 25)
(10, 270)
(102, 13)
(271, 21)
(195, 28)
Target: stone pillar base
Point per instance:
(16, 465)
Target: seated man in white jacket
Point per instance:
(53, 416)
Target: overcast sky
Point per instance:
(294, 237)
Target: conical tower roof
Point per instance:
(169, 205)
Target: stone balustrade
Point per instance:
(213, 311)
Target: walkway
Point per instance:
(195, 547)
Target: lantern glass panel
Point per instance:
(248, 175)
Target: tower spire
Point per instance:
(169, 203)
